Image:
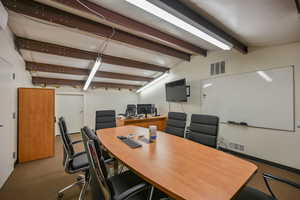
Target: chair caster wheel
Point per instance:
(80, 178)
(60, 196)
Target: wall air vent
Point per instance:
(217, 68)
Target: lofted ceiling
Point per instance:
(124, 8)
(255, 23)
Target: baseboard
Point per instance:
(291, 169)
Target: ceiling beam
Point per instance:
(298, 5)
(55, 81)
(53, 15)
(196, 18)
(59, 50)
(42, 67)
(128, 23)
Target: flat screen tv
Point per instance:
(176, 91)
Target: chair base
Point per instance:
(81, 180)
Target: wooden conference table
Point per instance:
(180, 167)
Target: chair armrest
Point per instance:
(77, 141)
(109, 160)
(132, 191)
(282, 180)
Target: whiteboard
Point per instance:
(261, 99)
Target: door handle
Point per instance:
(1, 126)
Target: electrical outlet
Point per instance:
(236, 146)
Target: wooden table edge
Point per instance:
(172, 194)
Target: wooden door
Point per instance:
(36, 124)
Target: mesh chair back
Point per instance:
(89, 134)
(105, 119)
(176, 123)
(204, 129)
(100, 186)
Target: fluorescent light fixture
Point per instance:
(153, 82)
(265, 76)
(155, 10)
(92, 73)
(207, 85)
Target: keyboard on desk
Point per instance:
(131, 143)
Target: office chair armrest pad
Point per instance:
(132, 191)
(77, 141)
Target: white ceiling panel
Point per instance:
(79, 77)
(257, 22)
(58, 75)
(127, 70)
(79, 63)
(55, 60)
(28, 28)
(109, 80)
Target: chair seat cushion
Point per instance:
(80, 161)
(124, 181)
(249, 193)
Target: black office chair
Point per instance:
(130, 111)
(105, 119)
(249, 193)
(204, 130)
(73, 162)
(124, 186)
(176, 123)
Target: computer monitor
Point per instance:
(145, 109)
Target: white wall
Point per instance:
(101, 99)
(97, 99)
(277, 146)
(15, 64)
